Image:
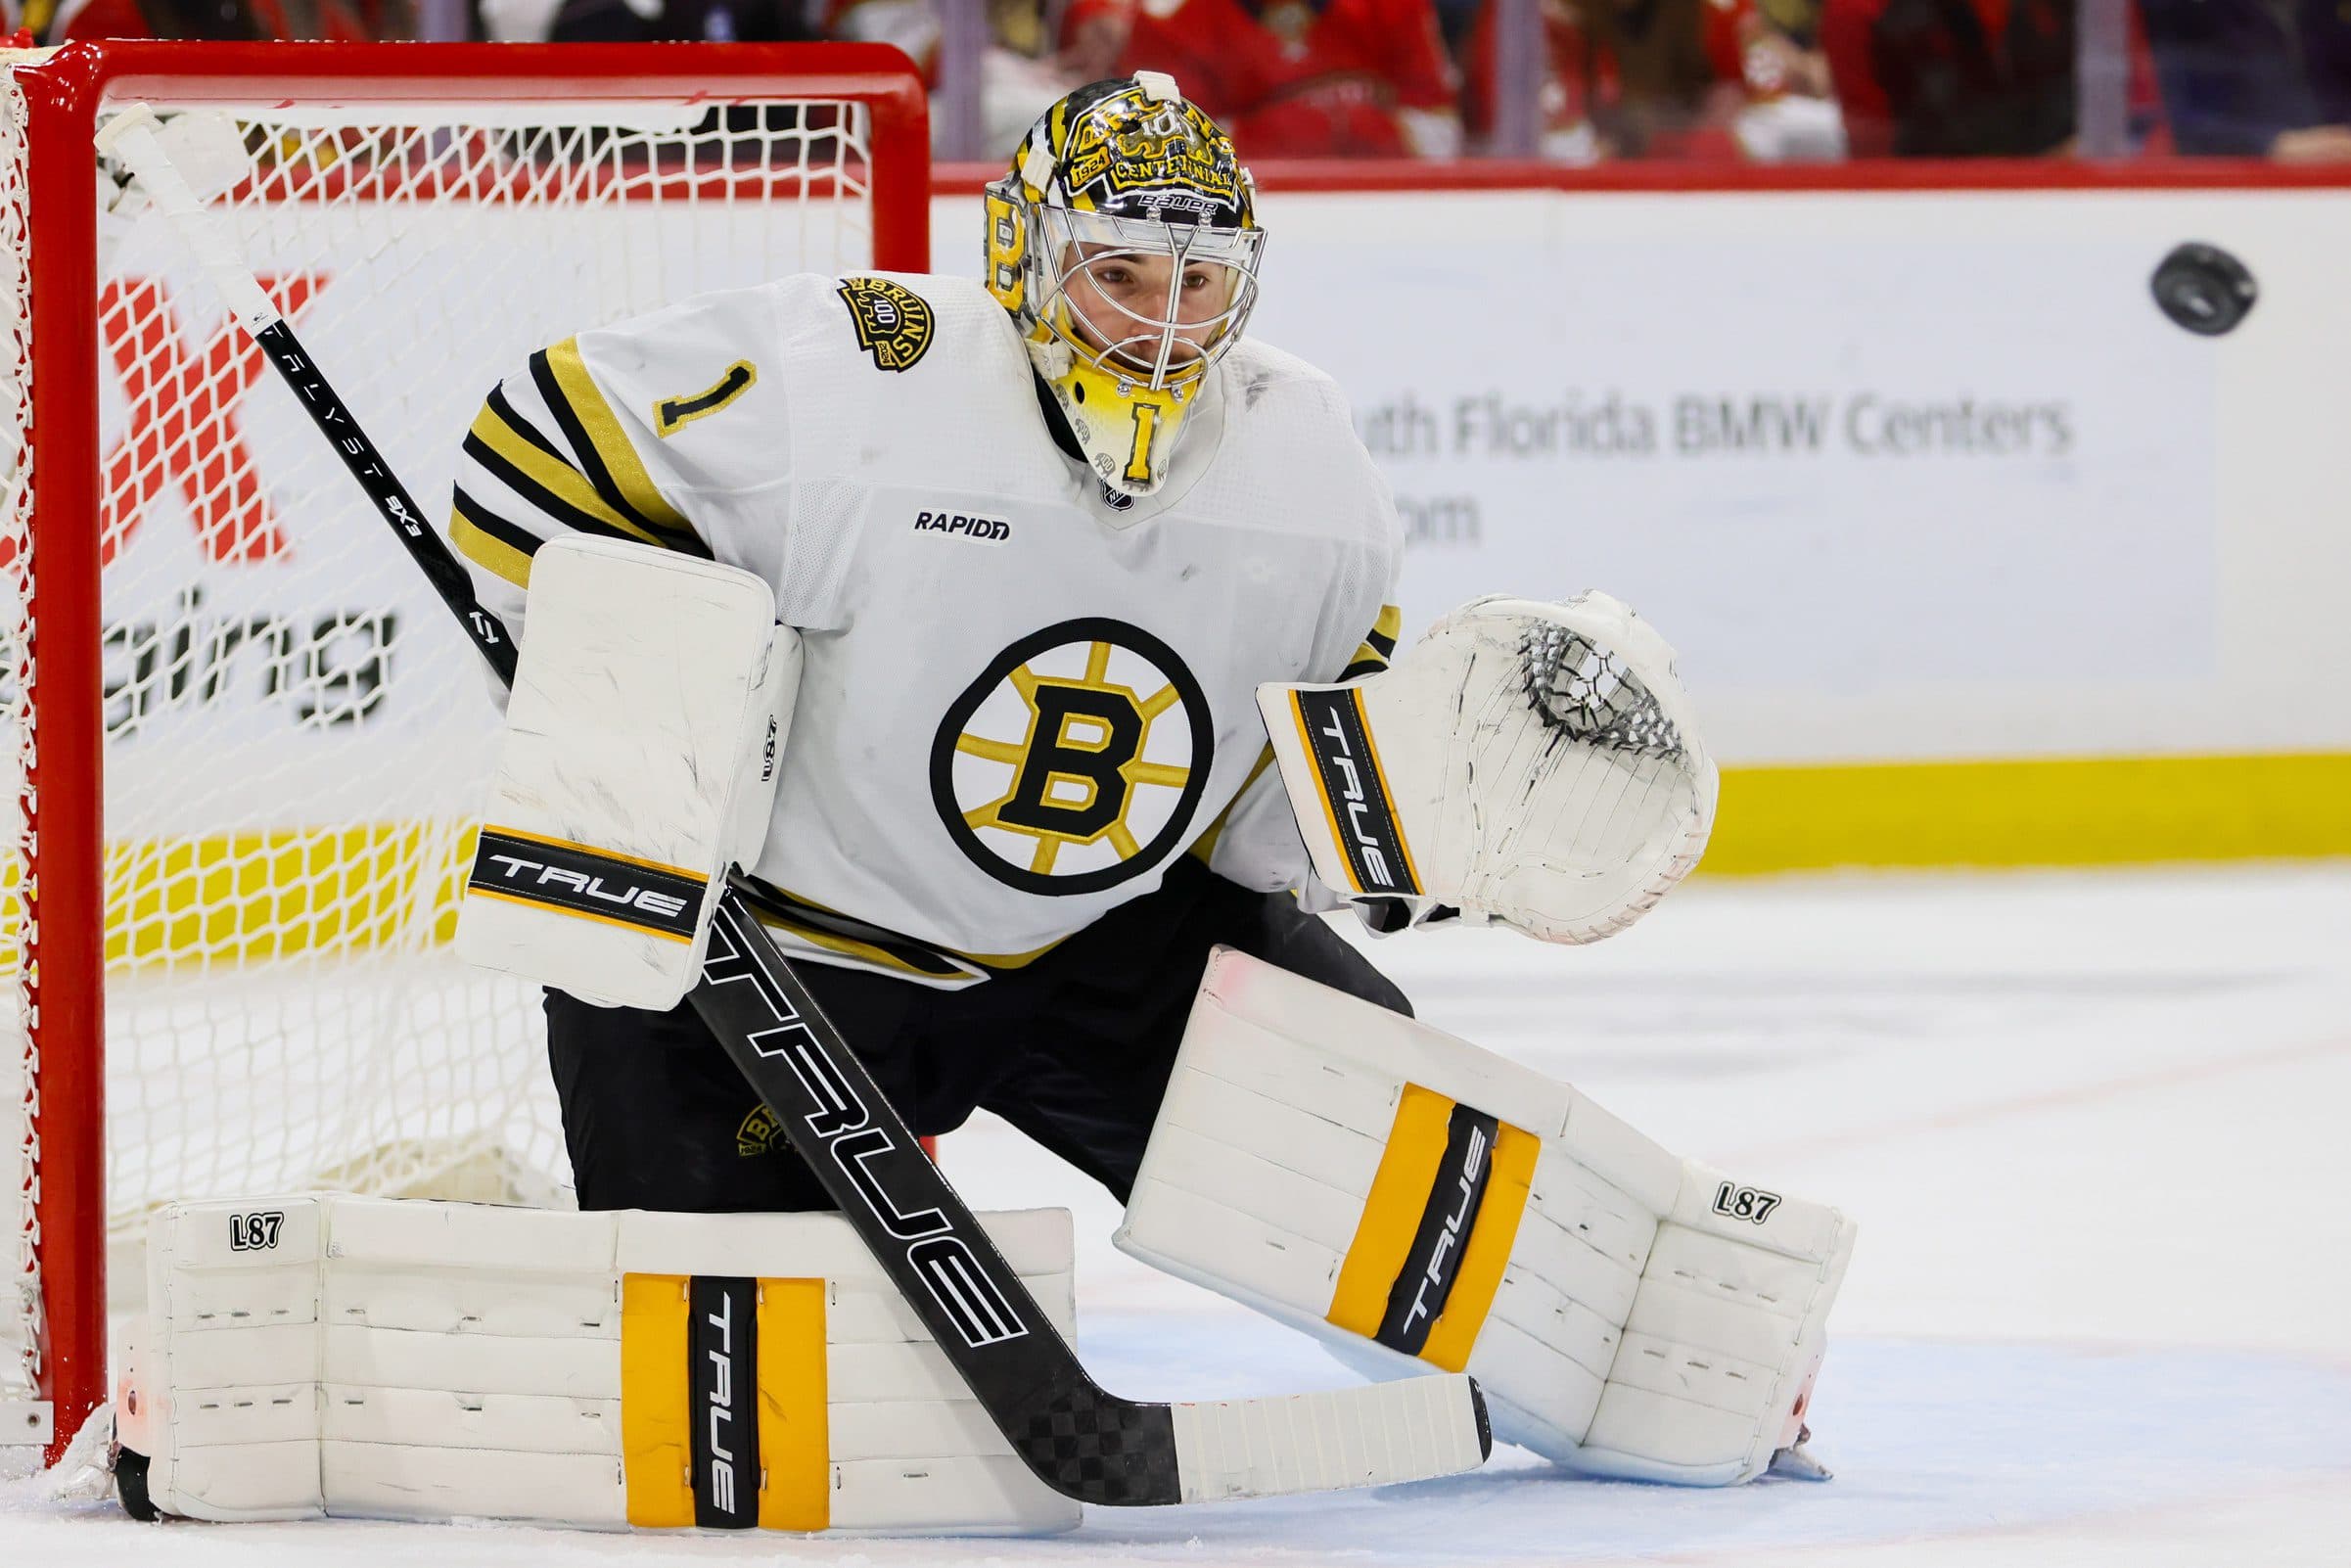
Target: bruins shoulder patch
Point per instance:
(894, 323)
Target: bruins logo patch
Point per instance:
(761, 1134)
(894, 323)
(1076, 761)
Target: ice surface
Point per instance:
(2093, 1129)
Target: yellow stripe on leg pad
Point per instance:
(795, 1425)
(1488, 1251)
(795, 1434)
(656, 1442)
(1400, 1191)
(1397, 1214)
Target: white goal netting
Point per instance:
(293, 735)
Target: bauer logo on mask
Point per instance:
(1077, 758)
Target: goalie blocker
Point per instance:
(1415, 1201)
(635, 769)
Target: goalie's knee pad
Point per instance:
(365, 1358)
(1413, 1200)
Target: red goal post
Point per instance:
(242, 745)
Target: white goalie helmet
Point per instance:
(1123, 240)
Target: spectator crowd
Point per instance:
(1765, 80)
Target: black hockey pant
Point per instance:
(1074, 1050)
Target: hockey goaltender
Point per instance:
(1029, 642)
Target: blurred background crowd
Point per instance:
(1572, 82)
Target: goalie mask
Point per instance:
(1123, 240)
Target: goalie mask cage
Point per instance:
(243, 738)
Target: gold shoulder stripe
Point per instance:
(548, 481)
(483, 538)
(672, 414)
(596, 435)
(505, 410)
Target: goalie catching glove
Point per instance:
(1527, 762)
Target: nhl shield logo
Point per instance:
(894, 323)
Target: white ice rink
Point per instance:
(2095, 1129)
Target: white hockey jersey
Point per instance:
(1019, 702)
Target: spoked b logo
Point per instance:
(1076, 761)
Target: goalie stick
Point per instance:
(1081, 1440)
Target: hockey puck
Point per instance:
(2203, 289)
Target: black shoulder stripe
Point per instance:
(512, 535)
(1382, 643)
(590, 460)
(556, 508)
(503, 407)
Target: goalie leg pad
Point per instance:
(359, 1357)
(1413, 1200)
(649, 711)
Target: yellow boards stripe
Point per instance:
(1399, 1193)
(656, 1425)
(795, 1436)
(1491, 1239)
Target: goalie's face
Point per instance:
(1133, 306)
(1149, 300)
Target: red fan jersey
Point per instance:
(1290, 80)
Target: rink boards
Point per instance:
(1910, 477)
(1972, 556)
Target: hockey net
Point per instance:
(241, 737)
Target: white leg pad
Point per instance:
(312, 1356)
(1414, 1200)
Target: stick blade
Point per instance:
(1413, 1429)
